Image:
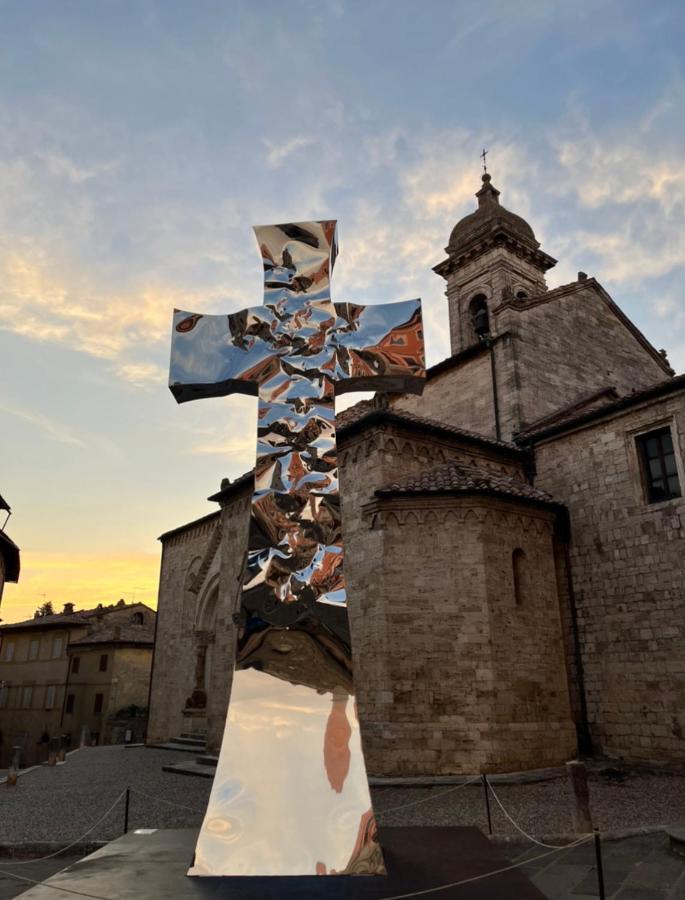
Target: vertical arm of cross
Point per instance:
(380, 347)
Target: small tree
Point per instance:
(45, 609)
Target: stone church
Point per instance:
(514, 538)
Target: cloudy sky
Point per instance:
(140, 140)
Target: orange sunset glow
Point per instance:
(82, 579)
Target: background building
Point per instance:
(514, 537)
(79, 669)
(9, 552)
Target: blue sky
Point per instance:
(139, 141)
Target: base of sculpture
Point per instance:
(147, 866)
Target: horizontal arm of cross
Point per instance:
(206, 358)
(381, 348)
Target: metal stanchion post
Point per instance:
(600, 870)
(487, 801)
(126, 806)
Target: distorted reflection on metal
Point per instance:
(290, 795)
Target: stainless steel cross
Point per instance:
(290, 796)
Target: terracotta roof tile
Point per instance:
(453, 477)
(78, 617)
(122, 634)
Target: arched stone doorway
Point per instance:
(204, 628)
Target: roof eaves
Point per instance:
(233, 488)
(390, 417)
(397, 493)
(189, 525)
(662, 389)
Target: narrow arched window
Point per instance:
(480, 319)
(518, 565)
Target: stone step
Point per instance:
(207, 760)
(194, 735)
(191, 741)
(190, 767)
(676, 839)
(183, 747)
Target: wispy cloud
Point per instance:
(53, 429)
(238, 441)
(62, 166)
(279, 151)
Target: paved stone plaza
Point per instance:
(60, 804)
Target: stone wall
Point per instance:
(174, 657)
(627, 565)
(569, 343)
(431, 628)
(235, 528)
(462, 394)
(479, 683)
(401, 582)
(550, 352)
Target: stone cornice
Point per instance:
(497, 238)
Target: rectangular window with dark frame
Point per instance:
(75, 665)
(659, 469)
(97, 708)
(69, 706)
(103, 662)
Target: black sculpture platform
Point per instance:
(148, 866)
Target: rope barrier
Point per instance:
(525, 833)
(23, 862)
(430, 796)
(550, 848)
(433, 890)
(200, 812)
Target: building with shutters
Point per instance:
(80, 673)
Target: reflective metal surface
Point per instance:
(290, 796)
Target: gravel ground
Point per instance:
(544, 808)
(61, 803)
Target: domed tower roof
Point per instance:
(489, 214)
(492, 225)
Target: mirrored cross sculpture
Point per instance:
(290, 795)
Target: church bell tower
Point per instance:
(492, 258)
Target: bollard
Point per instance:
(53, 751)
(486, 791)
(12, 772)
(600, 867)
(582, 819)
(63, 744)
